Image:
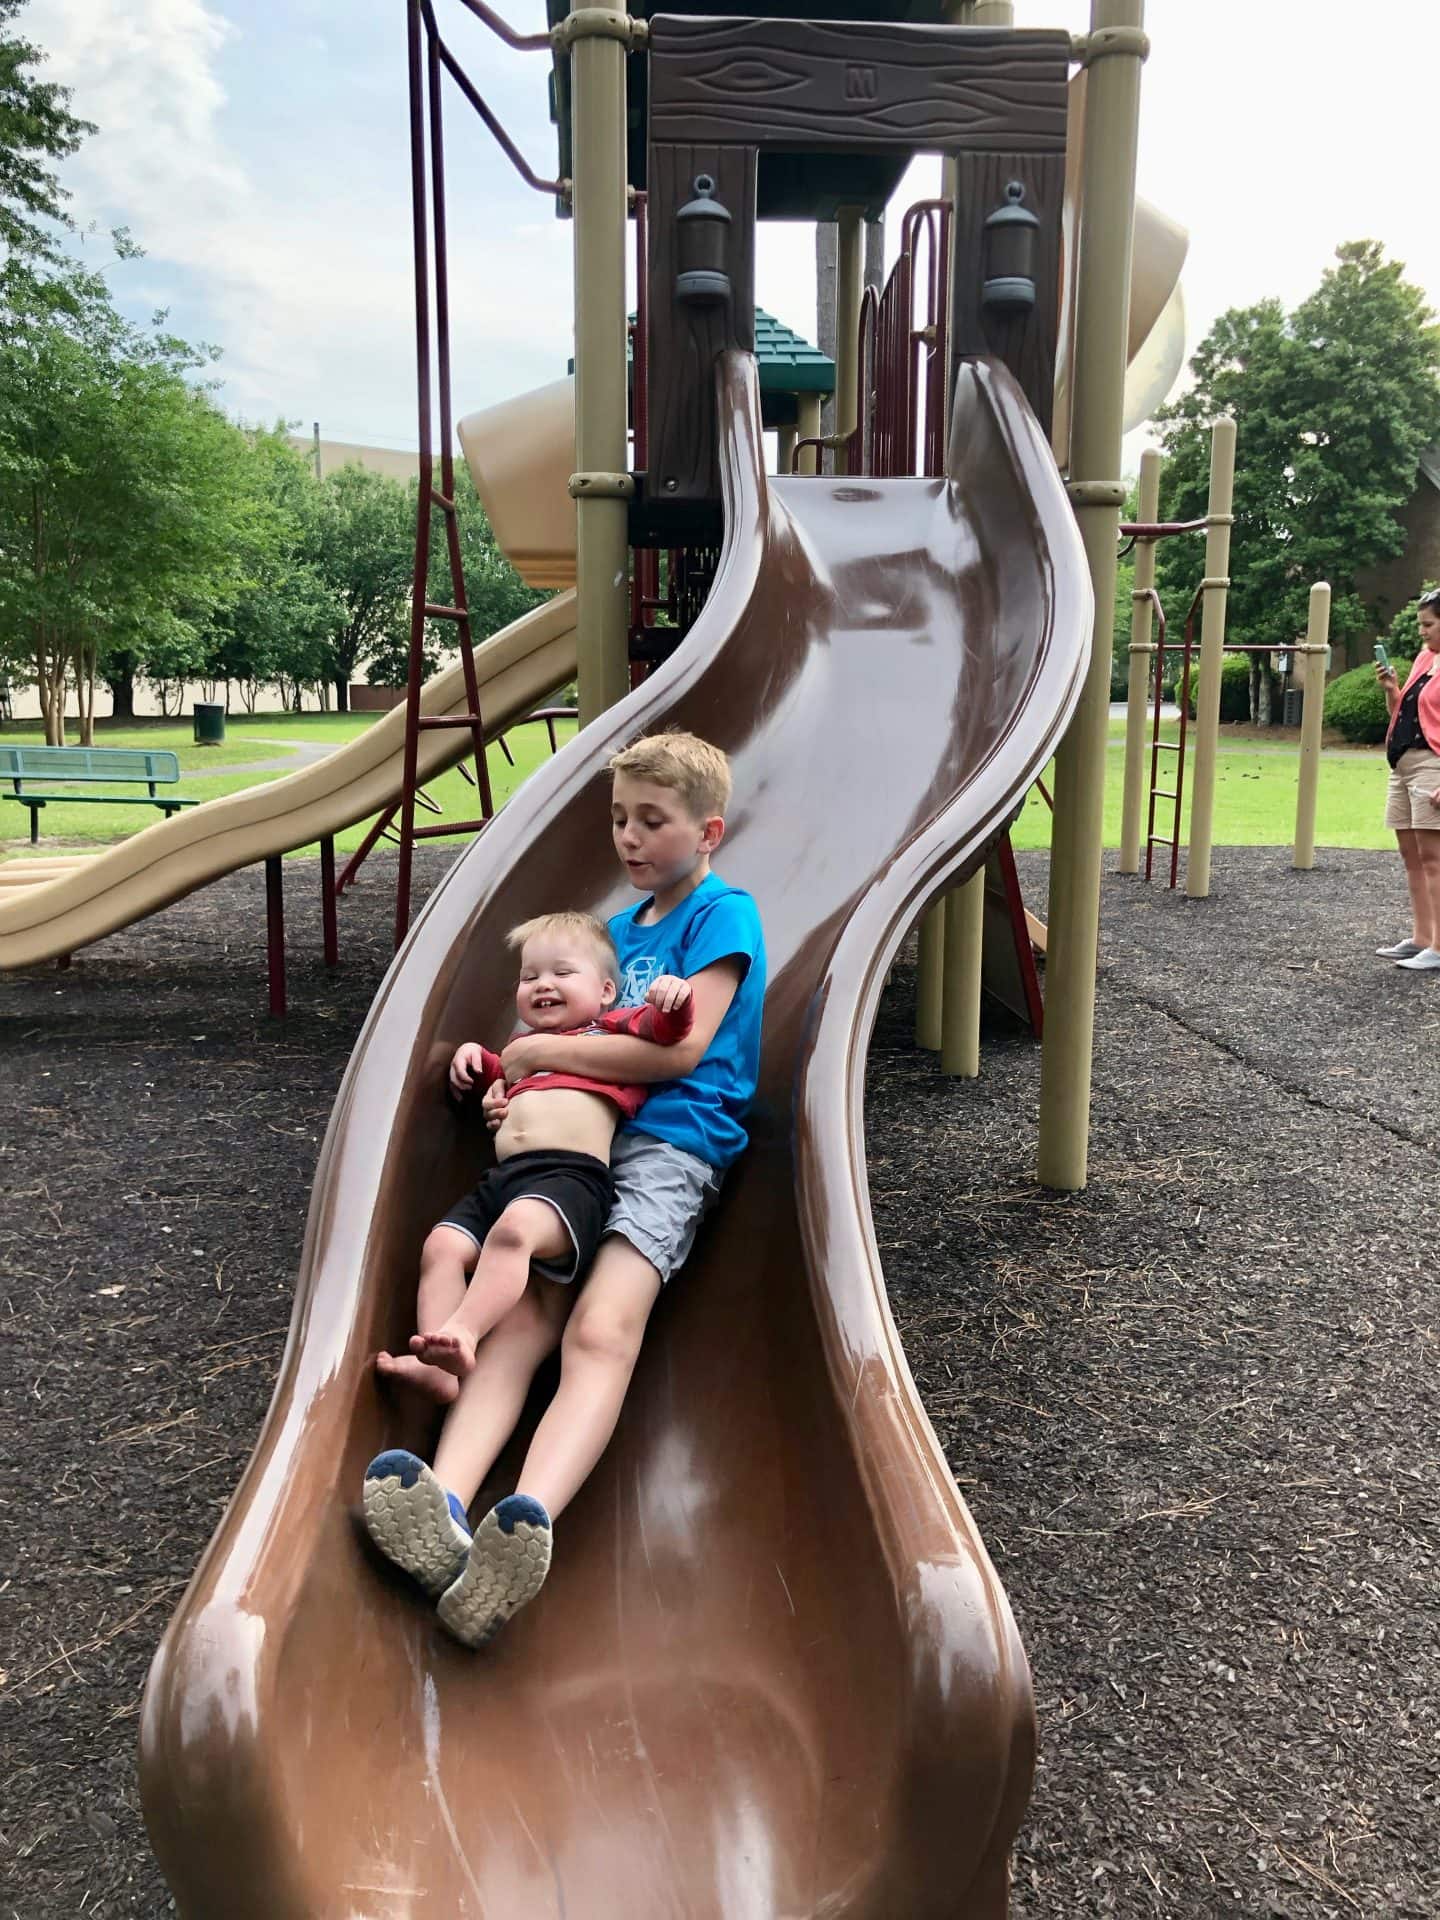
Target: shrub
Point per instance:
(1355, 703)
(1234, 686)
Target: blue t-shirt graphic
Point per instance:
(703, 1113)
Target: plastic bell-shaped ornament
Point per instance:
(702, 240)
(1011, 234)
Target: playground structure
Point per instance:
(1147, 677)
(777, 1672)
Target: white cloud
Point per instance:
(294, 239)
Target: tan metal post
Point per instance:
(849, 287)
(1107, 215)
(597, 75)
(785, 449)
(960, 1015)
(930, 985)
(991, 13)
(1212, 657)
(1142, 655)
(1312, 719)
(810, 430)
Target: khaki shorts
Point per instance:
(1407, 804)
(662, 1194)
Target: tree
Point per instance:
(36, 126)
(277, 629)
(1334, 404)
(494, 592)
(123, 510)
(359, 537)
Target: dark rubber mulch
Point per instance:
(1194, 1408)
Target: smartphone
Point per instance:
(1382, 659)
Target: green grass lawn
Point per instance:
(203, 776)
(1254, 790)
(1254, 801)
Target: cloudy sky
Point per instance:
(257, 151)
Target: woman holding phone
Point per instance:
(1412, 806)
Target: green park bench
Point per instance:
(29, 768)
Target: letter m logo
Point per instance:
(861, 83)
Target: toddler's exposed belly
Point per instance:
(564, 1120)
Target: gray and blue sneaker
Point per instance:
(506, 1567)
(414, 1521)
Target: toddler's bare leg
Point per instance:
(445, 1263)
(527, 1230)
(492, 1397)
(597, 1357)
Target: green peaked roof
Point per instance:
(787, 363)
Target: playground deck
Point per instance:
(1194, 1408)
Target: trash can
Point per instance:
(209, 724)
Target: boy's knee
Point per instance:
(604, 1333)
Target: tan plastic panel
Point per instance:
(773, 1673)
(521, 455)
(516, 668)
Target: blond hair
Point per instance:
(690, 767)
(582, 927)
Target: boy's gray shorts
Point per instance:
(662, 1194)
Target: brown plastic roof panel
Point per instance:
(773, 1673)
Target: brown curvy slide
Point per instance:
(773, 1673)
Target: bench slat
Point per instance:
(86, 764)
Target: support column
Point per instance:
(1142, 655)
(809, 429)
(960, 1017)
(1107, 215)
(785, 450)
(1312, 719)
(597, 74)
(1216, 585)
(849, 287)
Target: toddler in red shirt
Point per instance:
(544, 1205)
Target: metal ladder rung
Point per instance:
(1160, 840)
(433, 720)
(1163, 793)
(450, 826)
(434, 611)
(1166, 746)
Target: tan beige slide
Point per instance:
(70, 905)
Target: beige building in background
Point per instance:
(396, 463)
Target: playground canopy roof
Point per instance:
(791, 186)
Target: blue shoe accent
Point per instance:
(517, 1507)
(415, 1521)
(396, 1465)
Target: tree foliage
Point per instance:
(36, 128)
(124, 513)
(1334, 404)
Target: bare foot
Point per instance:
(450, 1347)
(434, 1382)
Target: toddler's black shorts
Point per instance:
(579, 1187)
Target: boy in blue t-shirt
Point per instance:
(668, 805)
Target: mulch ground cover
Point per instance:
(1194, 1408)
